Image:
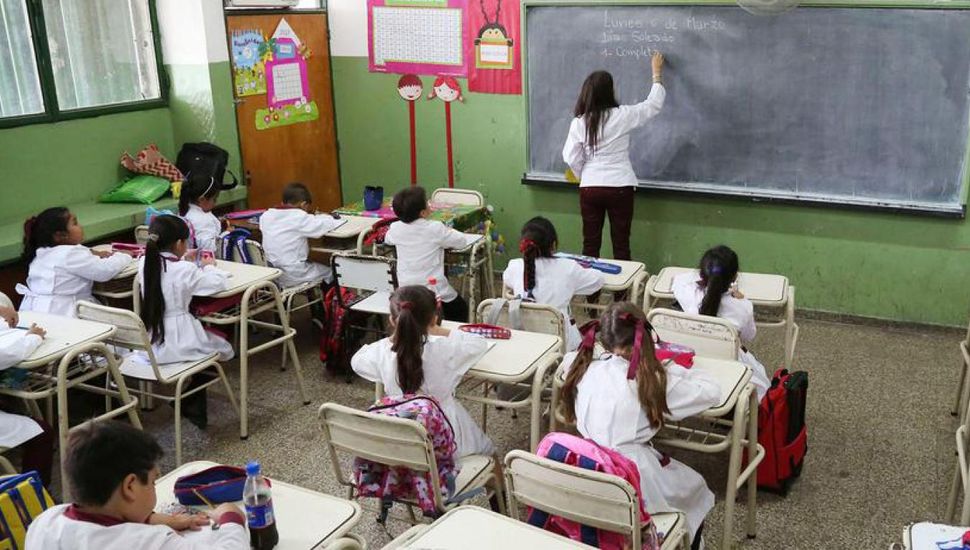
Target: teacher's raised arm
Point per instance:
(597, 151)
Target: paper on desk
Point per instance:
(935, 536)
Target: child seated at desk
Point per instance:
(542, 278)
(712, 291)
(197, 199)
(167, 287)
(285, 230)
(34, 437)
(422, 357)
(622, 399)
(421, 245)
(112, 468)
(62, 271)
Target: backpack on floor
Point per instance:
(782, 431)
(22, 499)
(205, 160)
(397, 484)
(333, 345)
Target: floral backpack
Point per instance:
(585, 453)
(392, 484)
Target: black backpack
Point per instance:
(206, 160)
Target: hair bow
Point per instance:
(640, 329)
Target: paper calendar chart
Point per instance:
(417, 37)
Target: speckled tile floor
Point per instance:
(881, 448)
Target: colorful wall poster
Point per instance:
(250, 51)
(417, 37)
(287, 87)
(495, 50)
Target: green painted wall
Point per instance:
(872, 264)
(48, 164)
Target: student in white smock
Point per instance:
(62, 271)
(597, 151)
(711, 292)
(168, 284)
(541, 277)
(285, 230)
(421, 245)
(34, 438)
(197, 199)
(112, 468)
(622, 399)
(422, 357)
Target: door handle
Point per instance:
(238, 100)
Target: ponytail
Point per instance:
(195, 188)
(163, 232)
(538, 240)
(718, 269)
(567, 394)
(41, 231)
(412, 310)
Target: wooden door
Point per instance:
(304, 151)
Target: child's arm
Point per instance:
(574, 151)
(450, 238)
(83, 263)
(318, 225)
(367, 362)
(584, 281)
(230, 535)
(690, 392)
(747, 329)
(467, 350)
(17, 345)
(208, 280)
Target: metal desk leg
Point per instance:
(752, 448)
(734, 467)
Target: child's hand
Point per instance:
(10, 316)
(102, 253)
(225, 508)
(207, 260)
(181, 522)
(437, 330)
(34, 329)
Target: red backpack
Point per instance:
(333, 344)
(782, 431)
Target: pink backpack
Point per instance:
(585, 453)
(392, 484)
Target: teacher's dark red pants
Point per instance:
(595, 203)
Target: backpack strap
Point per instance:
(515, 317)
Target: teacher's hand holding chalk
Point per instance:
(657, 62)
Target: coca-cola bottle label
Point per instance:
(260, 515)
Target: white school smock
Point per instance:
(185, 339)
(740, 311)
(15, 346)
(608, 411)
(205, 227)
(445, 361)
(60, 276)
(54, 530)
(285, 233)
(609, 165)
(421, 248)
(557, 281)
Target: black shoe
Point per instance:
(195, 409)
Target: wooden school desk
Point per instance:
(474, 528)
(66, 341)
(305, 519)
(525, 357)
(764, 290)
(259, 294)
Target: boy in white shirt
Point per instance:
(421, 245)
(112, 468)
(285, 230)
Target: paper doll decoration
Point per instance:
(410, 89)
(446, 89)
(493, 47)
(287, 87)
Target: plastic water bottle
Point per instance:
(433, 287)
(259, 509)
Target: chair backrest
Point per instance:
(387, 440)
(597, 499)
(372, 273)
(541, 318)
(141, 234)
(5, 300)
(130, 332)
(255, 250)
(708, 336)
(448, 195)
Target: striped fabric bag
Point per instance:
(22, 498)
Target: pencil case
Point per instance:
(136, 250)
(682, 355)
(488, 331)
(217, 484)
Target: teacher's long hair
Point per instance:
(596, 98)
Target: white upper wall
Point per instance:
(193, 32)
(348, 27)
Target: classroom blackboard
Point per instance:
(851, 106)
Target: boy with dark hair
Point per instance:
(421, 245)
(285, 230)
(111, 469)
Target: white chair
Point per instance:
(961, 476)
(5, 301)
(141, 234)
(454, 195)
(130, 334)
(373, 277)
(600, 500)
(963, 388)
(349, 541)
(400, 442)
(707, 336)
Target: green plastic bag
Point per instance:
(139, 189)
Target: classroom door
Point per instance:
(290, 135)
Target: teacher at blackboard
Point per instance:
(597, 151)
